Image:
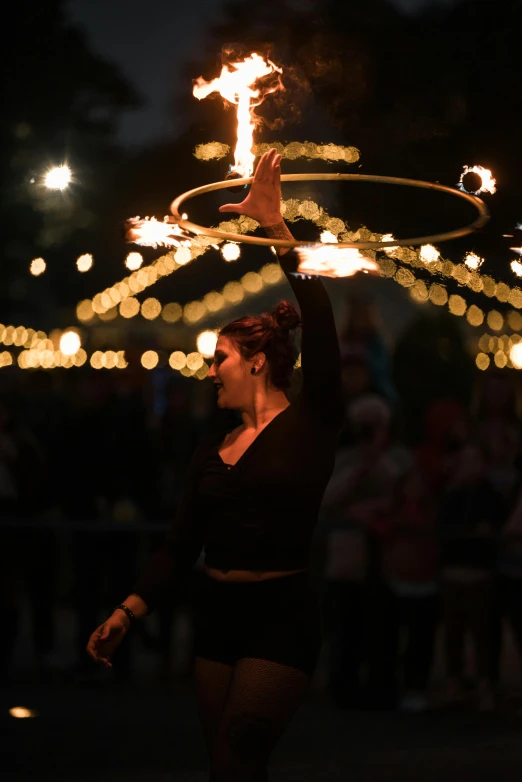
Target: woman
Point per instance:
(252, 502)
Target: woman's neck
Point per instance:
(263, 408)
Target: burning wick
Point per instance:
(487, 183)
(236, 84)
(152, 232)
(234, 175)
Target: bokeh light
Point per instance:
(133, 261)
(84, 310)
(252, 282)
(206, 342)
(195, 361)
(172, 312)
(214, 301)
(231, 251)
(482, 361)
(37, 267)
(495, 320)
(97, 360)
(515, 354)
(473, 261)
(129, 307)
(149, 359)
(70, 343)
(58, 178)
(6, 359)
(194, 311)
(516, 267)
(183, 256)
(428, 253)
(84, 262)
(151, 308)
(178, 360)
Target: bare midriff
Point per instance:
(248, 575)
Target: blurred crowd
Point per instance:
(419, 539)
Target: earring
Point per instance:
(253, 371)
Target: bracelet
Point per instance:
(127, 611)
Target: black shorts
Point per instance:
(279, 619)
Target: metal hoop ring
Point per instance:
(479, 222)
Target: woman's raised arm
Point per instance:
(320, 354)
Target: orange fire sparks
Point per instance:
(330, 261)
(152, 233)
(237, 85)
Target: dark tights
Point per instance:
(244, 710)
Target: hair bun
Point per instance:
(286, 316)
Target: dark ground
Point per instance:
(143, 732)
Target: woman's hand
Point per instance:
(263, 202)
(107, 637)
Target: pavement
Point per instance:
(140, 730)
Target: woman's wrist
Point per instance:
(271, 219)
(123, 620)
(280, 231)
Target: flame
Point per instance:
(151, 233)
(488, 185)
(516, 250)
(331, 261)
(236, 84)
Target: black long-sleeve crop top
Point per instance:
(260, 513)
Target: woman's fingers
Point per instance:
(263, 170)
(276, 168)
(92, 644)
(239, 208)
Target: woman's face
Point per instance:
(230, 373)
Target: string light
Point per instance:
(150, 359)
(206, 342)
(37, 267)
(230, 251)
(70, 343)
(133, 261)
(482, 361)
(515, 355)
(6, 359)
(177, 360)
(429, 254)
(20, 336)
(84, 262)
(151, 309)
(473, 261)
(58, 178)
(332, 153)
(516, 268)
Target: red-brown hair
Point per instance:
(271, 334)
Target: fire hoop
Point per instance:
(481, 220)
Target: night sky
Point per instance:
(149, 42)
